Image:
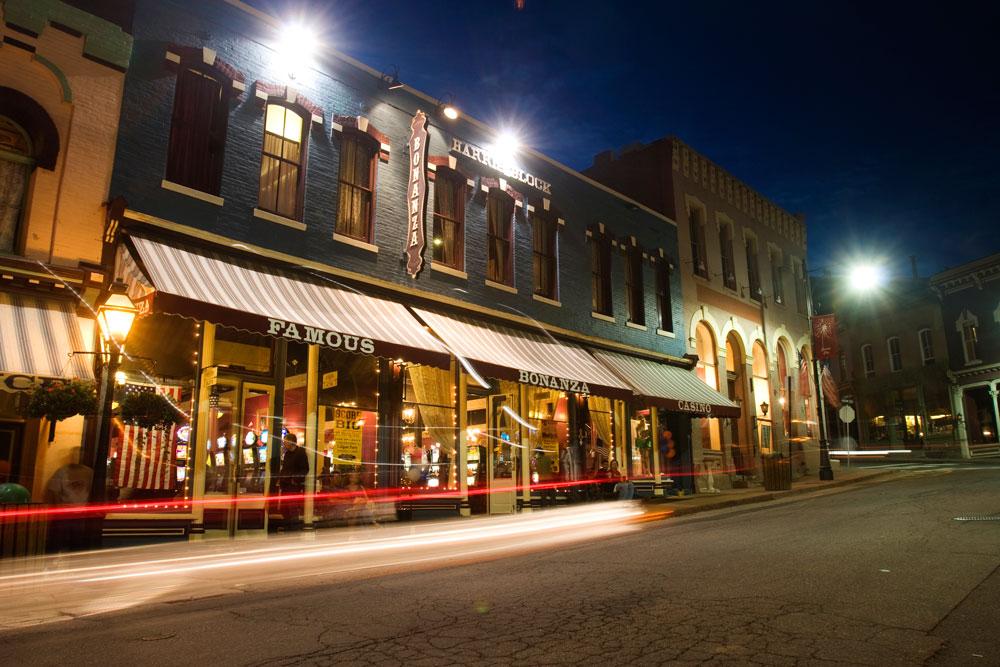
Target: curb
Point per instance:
(724, 503)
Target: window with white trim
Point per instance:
(967, 326)
(926, 346)
(282, 163)
(895, 355)
(868, 360)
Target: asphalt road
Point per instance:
(880, 573)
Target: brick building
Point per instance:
(319, 250)
(61, 76)
(893, 366)
(746, 301)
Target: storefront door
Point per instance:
(238, 418)
(505, 450)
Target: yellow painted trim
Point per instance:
(391, 286)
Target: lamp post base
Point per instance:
(825, 470)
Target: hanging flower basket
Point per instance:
(61, 399)
(149, 410)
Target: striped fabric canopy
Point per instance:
(38, 337)
(669, 387)
(534, 358)
(238, 292)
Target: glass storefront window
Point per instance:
(547, 411)
(348, 420)
(428, 429)
(147, 464)
(642, 444)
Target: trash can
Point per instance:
(777, 471)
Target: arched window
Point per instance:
(16, 163)
(707, 360)
(762, 395)
(282, 163)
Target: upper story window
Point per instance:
(664, 303)
(868, 360)
(545, 259)
(726, 253)
(198, 129)
(801, 298)
(967, 325)
(777, 277)
(753, 269)
(699, 254)
(449, 218)
(358, 168)
(15, 168)
(635, 295)
(600, 274)
(282, 163)
(500, 237)
(895, 355)
(926, 346)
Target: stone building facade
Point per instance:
(746, 298)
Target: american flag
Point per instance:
(144, 458)
(830, 391)
(805, 387)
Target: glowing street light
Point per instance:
(296, 46)
(865, 277)
(505, 148)
(450, 112)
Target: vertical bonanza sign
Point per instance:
(416, 194)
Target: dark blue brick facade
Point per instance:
(239, 39)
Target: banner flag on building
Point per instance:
(144, 458)
(824, 335)
(830, 391)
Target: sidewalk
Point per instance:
(704, 502)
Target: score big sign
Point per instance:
(347, 425)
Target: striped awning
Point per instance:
(39, 336)
(668, 387)
(234, 291)
(494, 351)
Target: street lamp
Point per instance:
(116, 313)
(863, 277)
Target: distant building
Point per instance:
(892, 367)
(970, 305)
(61, 77)
(746, 302)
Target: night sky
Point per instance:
(878, 121)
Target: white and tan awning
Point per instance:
(494, 351)
(668, 387)
(235, 291)
(39, 336)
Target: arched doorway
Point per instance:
(705, 430)
(736, 389)
(762, 398)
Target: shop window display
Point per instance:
(601, 449)
(428, 426)
(548, 440)
(153, 463)
(348, 416)
(642, 444)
